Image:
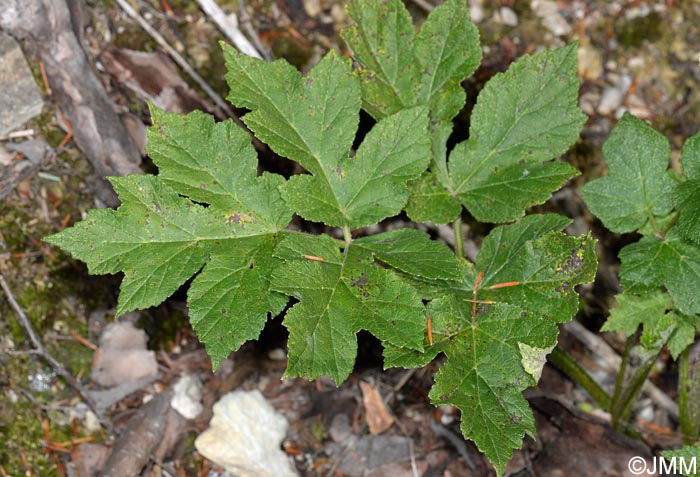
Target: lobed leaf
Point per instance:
(635, 310)
(398, 72)
(671, 262)
(685, 458)
(687, 195)
(522, 118)
(637, 186)
(413, 252)
(493, 352)
(313, 121)
(161, 236)
(654, 312)
(340, 294)
(371, 186)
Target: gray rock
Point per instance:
(19, 96)
(359, 456)
(613, 96)
(123, 357)
(244, 437)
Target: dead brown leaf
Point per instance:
(378, 417)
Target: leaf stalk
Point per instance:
(567, 365)
(459, 237)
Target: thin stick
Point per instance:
(456, 441)
(58, 367)
(245, 22)
(213, 95)
(425, 6)
(228, 27)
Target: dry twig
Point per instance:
(228, 27)
(40, 350)
(213, 95)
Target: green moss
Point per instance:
(633, 33)
(55, 294)
(134, 38)
(21, 431)
(285, 46)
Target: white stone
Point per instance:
(187, 396)
(548, 11)
(613, 96)
(507, 17)
(92, 422)
(476, 11)
(244, 437)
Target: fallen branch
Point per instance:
(228, 27)
(48, 28)
(213, 95)
(41, 351)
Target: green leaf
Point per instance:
(301, 118)
(340, 294)
(672, 262)
(634, 310)
(447, 50)
(160, 238)
(230, 299)
(310, 120)
(522, 118)
(491, 346)
(683, 333)
(506, 193)
(687, 195)
(372, 185)
(430, 201)
(687, 459)
(413, 252)
(637, 186)
(397, 72)
(484, 375)
(380, 40)
(690, 157)
(687, 202)
(653, 311)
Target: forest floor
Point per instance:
(639, 56)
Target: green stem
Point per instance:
(622, 409)
(689, 398)
(626, 394)
(619, 383)
(347, 235)
(668, 226)
(653, 223)
(684, 384)
(566, 364)
(459, 237)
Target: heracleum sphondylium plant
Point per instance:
(660, 273)
(209, 215)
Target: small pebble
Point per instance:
(476, 10)
(507, 17)
(277, 354)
